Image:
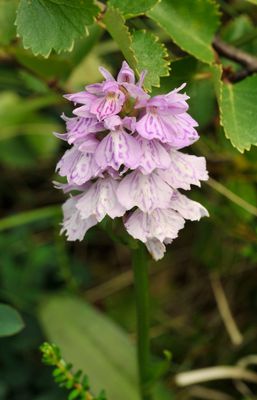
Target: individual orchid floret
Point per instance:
(119, 147)
(125, 161)
(79, 167)
(73, 225)
(101, 200)
(165, 118)
(146, 192)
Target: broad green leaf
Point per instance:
(190, 23)
(153, 59)
(10, 321)
(253, 2)
(115, 24)
(216, 74)
(238, 109)
(94, 344)
(46, 25)
(202, 93)
(7, 18)
(132, 8)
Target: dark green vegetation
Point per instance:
(203, 293)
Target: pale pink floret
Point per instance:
(110, 103)
(154, 155)
(116, 149)
(126, 74)
(165, 118)
(101, 200)
(185, 170)
(161, 224)
(78, 167)
(78, 128)
(176, 130)
(147, 192)
(188, 209)
(73, 225)
(156, 248)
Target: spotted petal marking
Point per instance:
(78, 167)
(101, 200)
(161, 224)
(185, 170)
(116, 149)
(147, 192)
(154, 155)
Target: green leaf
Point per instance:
(74, 394)
(153, 61)
(7, 18)
(190, 23)
(132, 8)
(238, 109)
(53, 68)
(115, 24)
(46, 25)
(10, 321)
(201, 91)
(94, 344)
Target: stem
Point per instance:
(142, 306)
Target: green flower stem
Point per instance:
(142, 305)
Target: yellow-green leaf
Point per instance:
(115, 24)
(132, 8)
(238, 109)
(151, 56)
(190, 23)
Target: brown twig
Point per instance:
(248, 61)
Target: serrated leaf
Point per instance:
(132, 8)
(150, 56)
(46, 25)
(190, 23)
(115, 24)
(238, 109)
(10, 321)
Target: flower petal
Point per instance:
(154, 155)
(176, 130)
(116, 149)
(161, 224)
(185, 170)
(73, 225)
(147, 192)
(111, 104)
(156, 248)
(78, 167)
(187, 208)
(101, 200)
(126, 74)
(106, 74)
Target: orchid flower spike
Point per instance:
(126, 161)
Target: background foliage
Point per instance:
(80, 295)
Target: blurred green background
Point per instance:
(210, 261)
